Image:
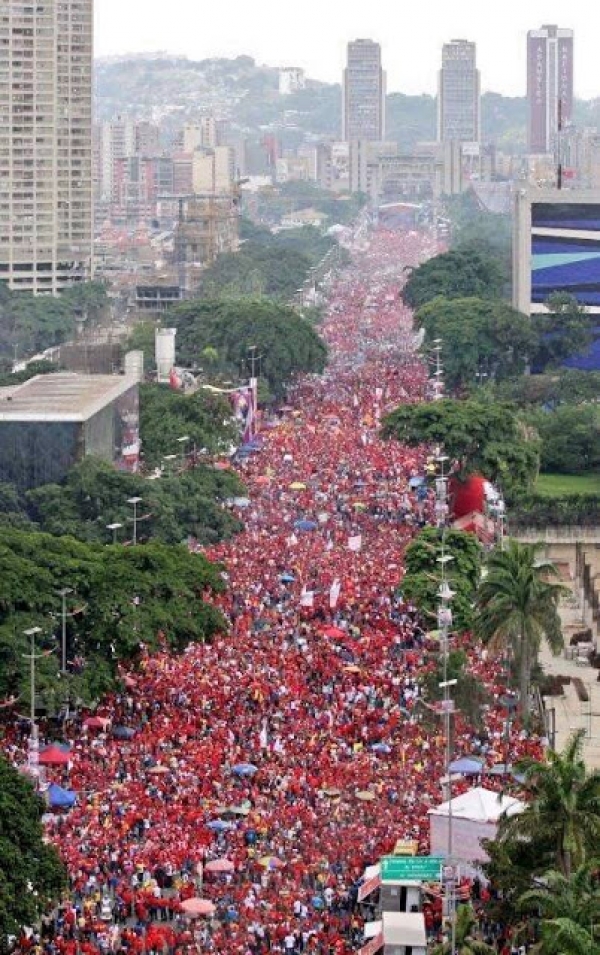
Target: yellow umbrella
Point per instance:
(297, 486)
(270, 862)
(365, 796)
(332, 793)
(359, 506)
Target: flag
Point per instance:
(355, 543)
(334, 594)
(307, 598)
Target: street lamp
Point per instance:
(64, 593)
(446, 686)
(170, 462)
(182, 441)
(34, 745)
(114, 528)
(134, 501)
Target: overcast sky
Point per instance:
(313, 34)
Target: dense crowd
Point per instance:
(262, 773)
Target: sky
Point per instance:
(313, 34)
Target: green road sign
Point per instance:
(411, 868)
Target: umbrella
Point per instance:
(467, 766)
(123, 732)
(262, 480)
(305, 525)
(365, 796)
(218, 825)
(271, 862)
(287, 578)
(381, 748)
(95, 723)
(59, 798)
(245, 769)
(416, 482)
(332, 793)
(159, 770)
(359, 506)
(334, 632)
(54, 756)
(195, 907)
(221, 465)
(297, 486)
(219, 865)
(237, 810)
(241, 501)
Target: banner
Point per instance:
(307, 598)
(373, 946)
(355, 543)
(334, 594)
(244, 402)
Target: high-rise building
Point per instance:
(45, 143)
(549, 85)
(363, 93)
(459, 110)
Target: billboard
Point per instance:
(565, 251)
(537, 93)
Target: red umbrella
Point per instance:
(219, 865)
(96, 723)
(334, 632)
(54, 756)
(195, 907)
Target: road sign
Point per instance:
(411, 868)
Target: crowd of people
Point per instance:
(263, 772)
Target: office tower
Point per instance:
(549, 85)
(45, 143)
(459, 113)
(363, 93)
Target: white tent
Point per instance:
(475, 816)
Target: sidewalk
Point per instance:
(570, 712)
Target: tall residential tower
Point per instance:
(364, 93)
(45, 143)
(459, 111)
(549, 85)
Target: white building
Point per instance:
(45, 143)
(291, 79)
(213, 170)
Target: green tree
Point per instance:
(570, 438)
(469, 693)
(480, 336)
(564, 330)
(455, 274)
(483, 437)
(517, 606)
(467, 942)
(142, 338)
(287, 344)
(563, 807)
(423, 575)
(31, 874)
(569, 908)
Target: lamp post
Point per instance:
(64, 593)
(446, 685)
(114, 528)
(34, 746)
(170, 460)
(134, 501)
(182, 441)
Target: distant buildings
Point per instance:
(45, 144)
(459, 111)
(363, 116)
(291, 79)
(549, 86)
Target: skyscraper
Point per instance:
(549, 85)
(45, 143)
(363, 93)
(459, 112)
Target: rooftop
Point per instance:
(61, 397)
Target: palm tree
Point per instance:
(564, 808)
(465, 942)
(517, 606)
(570, 912)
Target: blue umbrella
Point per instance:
(381, 748)
(467, 766)
(245, 769)
(123, 732)
(218, 825)
(305, 525)
(59, 798)
(287, 578)
(416, 481)
(317, 902)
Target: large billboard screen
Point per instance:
(565, 251)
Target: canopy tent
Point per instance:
(54, 756)
(475, 816)
(467, 766)
(405, 929)
(59, 798)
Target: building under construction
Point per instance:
(207, 226)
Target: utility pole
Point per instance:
(34, 742)
(134, 501)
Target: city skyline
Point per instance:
(410, 47)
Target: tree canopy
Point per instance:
(482, 338)
(31, 874)
(122, 597)
(463, 273)
(565, 329)
(422, 576)
(286, 343)
(482, 437)
(570, 438)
